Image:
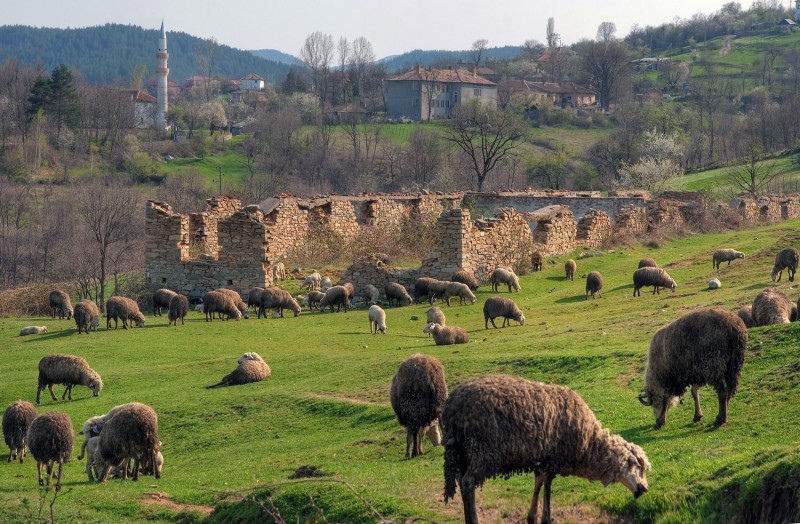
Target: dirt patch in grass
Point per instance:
(334, 396)
(161, 499)
(775, 500)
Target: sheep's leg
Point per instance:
(409, 437)
(548, 480)
(493, 324)
(698, 413)
(468, 498)
(58, 477)
(39, 470)
(537, 485)
(50, 387)
(790, 271)
(135, 468)
(418, 440)
(722, 417)
(50, 464)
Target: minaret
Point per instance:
(162, 72)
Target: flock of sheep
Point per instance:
(492, 425)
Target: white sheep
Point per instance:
(325, 283)
(377, 319)
(32, 330)
(312, 281)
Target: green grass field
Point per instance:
(326, 404)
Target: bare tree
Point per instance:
(430, 85)
(606, 64)
(553, 38)
(606, 31)
(206, 59)
(317, 53)
(484, 135)
(423, 156)
(476, 53)
(360, 59)
(344, 49)
(755, 174)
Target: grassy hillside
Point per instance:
(326, 404)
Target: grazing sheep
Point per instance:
(436, 289)
(465, 277)
(325, 283)
(436, 316)
(725, 255)
(161, 298)
(122, 308)
(60, 303)
(417, 393)
(537, 261)
(198, 307)
(772, 306)
(312, 281)
(254, 297)
(237, 300)
(277, 299)
(50, 439)
(652, 276)
(147, 467)
(17, 419)
(90, 447)
(460, 290)
(447, 335)
(314, 298)
(178, 306)
(279, 271)
(250, 369)
(594, 283)
(216, 302)
(501, 307)
(91, 429)
(68, 370)
(371, 295)
(335, 296)
(351, 291)
(704, 347)
(377, 319)
(421, 287)
(504, 275)
(87, 315)
(499, 425)
(647, 262)
(785, 259)
(32, 330)
(569, 269)
(746, 314)
(131, 432)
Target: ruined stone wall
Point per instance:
(594, 230)
(203, 232)
(455, 246)
(630, 220)
(555, 233)
(370, 270)
(502, 241)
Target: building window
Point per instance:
(415, 102)
(447, 103)
(455, 97)
(476, 91)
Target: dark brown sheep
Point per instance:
(123, 308)
(447, 335)
(421, 286)
(417, 393)
(500, 425)
(130, 432)
(569, 269)
(772, 306)
(87, 315)
(314, 298)
(17, 419)
(594, 283)
(466, 277)
(746, 314)
(652, 276)
(250, 369)
(647, 262)
(785, 259)
(501, 307)
(61, 304)
(254, 297)
(50, 439)
(216, 302)
(237, 300)
(277, 299)
(537, 260)
(68, 370)
(161, 299)
(178, 306)
(704, 347)
(335, 296)
(397, 292)
(724, 255)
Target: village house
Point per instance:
(252, 82)
(563, 94)
(422, 94)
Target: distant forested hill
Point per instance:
(277, 56)
(109, 54)
(426, 58)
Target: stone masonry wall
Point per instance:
(594, 229)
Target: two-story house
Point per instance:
(428, 93)
(564, 94)
(252, 82)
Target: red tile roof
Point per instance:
(547, 87)
(452, 76)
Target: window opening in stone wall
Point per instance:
(163, 280)
(230, 282)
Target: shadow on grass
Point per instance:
(756, 286)
(572, 300)
(558, 279)
(50, 336)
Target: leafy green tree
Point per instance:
(58, 97)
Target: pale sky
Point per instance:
(392, 27)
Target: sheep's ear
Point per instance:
(645, 398)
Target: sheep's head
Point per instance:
(430, 328)
(660, 402)
(433, 433)
(296, 309)
(69, 313)
(95, 384)
(246, 313)
(634, 470)
(139, 320)
(739, 254)
(775, 273)
(673, 287)
(521, 319)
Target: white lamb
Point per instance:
(32, 330)
(377, 319)
(312, 281)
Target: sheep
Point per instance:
(32, 330)
(371, 295)
(216, 302)
(251, 369)
(17, 418)
(125, 309)
(335, 296)
(417, 394)
(537, 261)
(652, 276)
(91, 429)
(447, 335)
(499, 425)
(254, 297)
(279, 271)
(87, 315)
(435, 315)
(785, 259)
(90, 445)
(147, 467)
(746, 314)
(277, 299)
(161, 298)
(237, 300)
(505, 275)
(772, 306)
(436, 289)
(421, 287)
(50, 439)
(647, 262)
(68, 370)
(704, 347)
(724, 255)
(178, 306)
(312, 281)
(131, 432)
(325, 283)
(594, 283)
(459, 290)
(60, 303)
(314, 298)
(465, 277)
(351, 291)
(377, 319)
(569, 269)
(501, 307)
